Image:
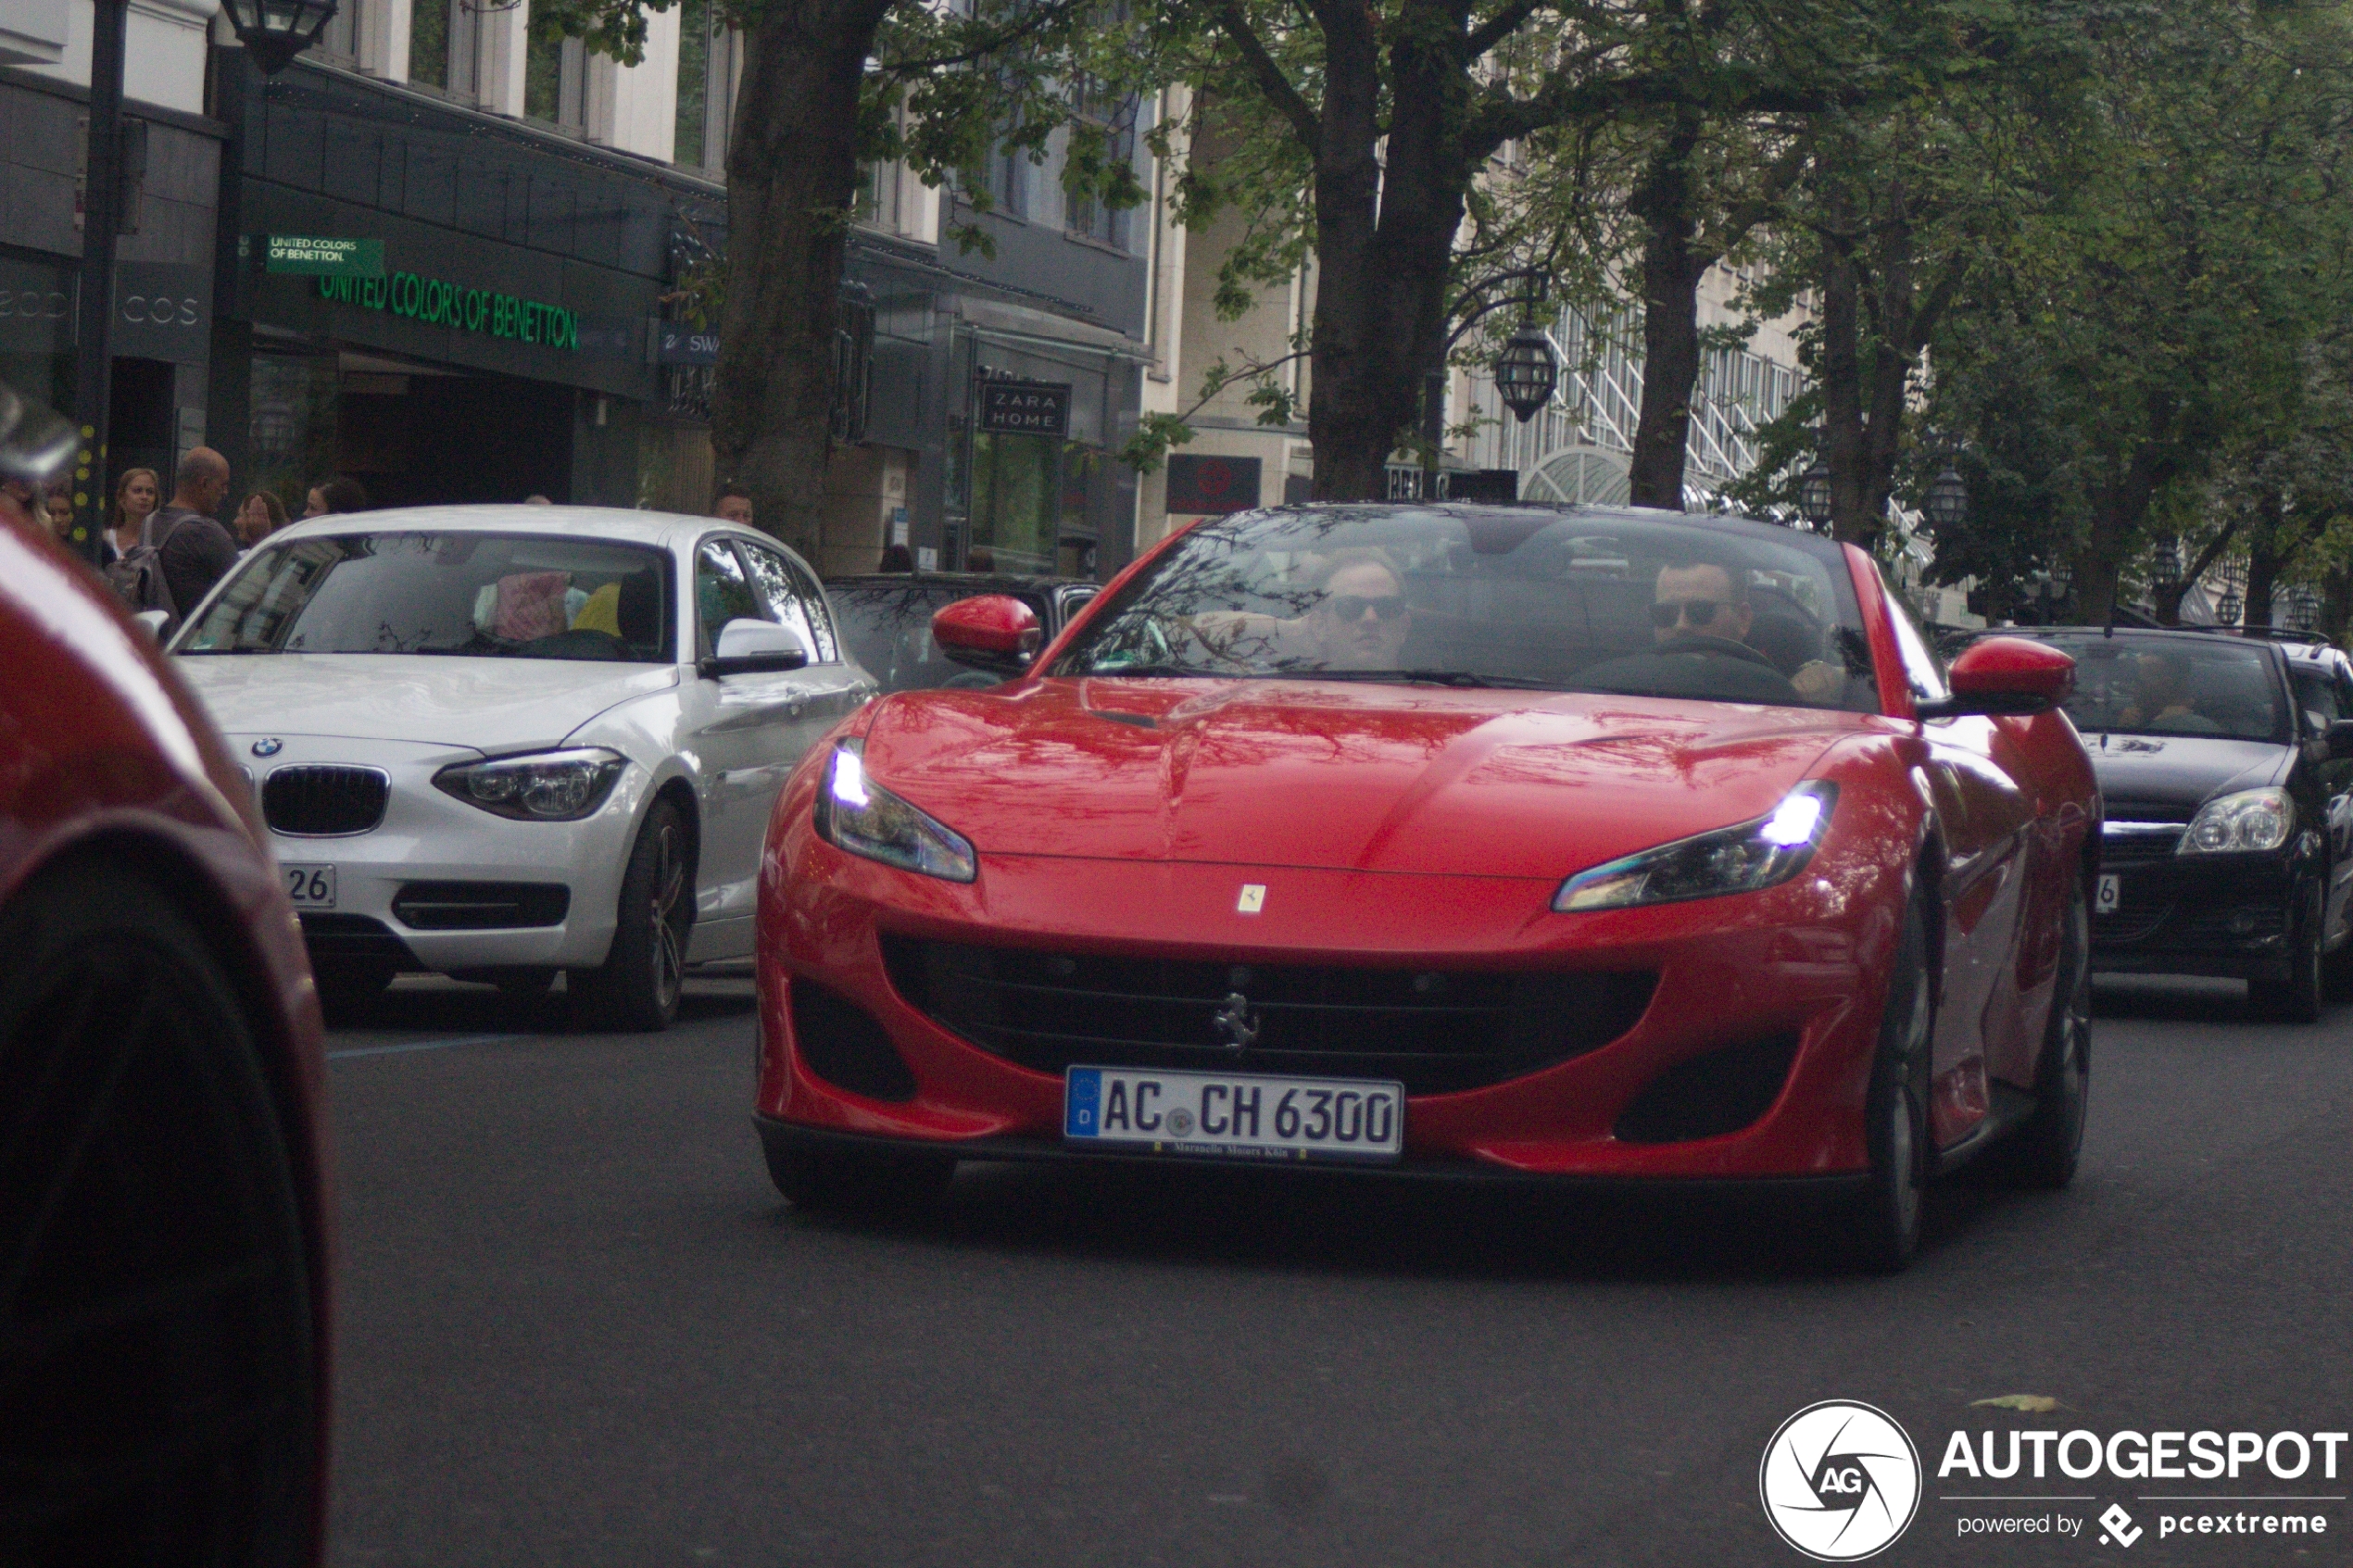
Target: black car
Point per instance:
(2225, 763)
(886, 617)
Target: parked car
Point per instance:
(886, 619)
(166, 1217)
(501, 742)
(2225, 763)
(1555, 844)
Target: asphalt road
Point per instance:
(579, 1327)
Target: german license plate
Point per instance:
(1239, 1115)
(310, 887)
(2112, 893)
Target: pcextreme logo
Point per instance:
(1841, 1481)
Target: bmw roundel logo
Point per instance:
(270, 747)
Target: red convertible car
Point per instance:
(1551, 844)
(164, 1210)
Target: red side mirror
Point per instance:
(2005, 675)
(993, 632)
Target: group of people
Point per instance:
(165, 554)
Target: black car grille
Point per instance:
(324, 801)
(480, 906)
(353, 936)
(2140, 848)
(1434, 1031)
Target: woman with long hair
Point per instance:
(137, 495)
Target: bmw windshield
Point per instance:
(1526, 597)
(500, 596)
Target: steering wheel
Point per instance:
(1718, 648)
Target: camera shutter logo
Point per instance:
(1841, 1481)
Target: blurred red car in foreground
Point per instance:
(1519, 843)
(165, 1248)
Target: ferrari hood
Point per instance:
(1424, 780)
(492, 705)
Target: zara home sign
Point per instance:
(1025, 408)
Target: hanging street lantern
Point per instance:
(1528, 370)
(274, 32)
(1948, 500)
(2227, 607)
(2303, 608)
(1813, 492)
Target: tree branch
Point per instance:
(1497, 28)
(1035, 21)
(1281, 94)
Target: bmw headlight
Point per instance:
(2253, 819)
(855, 814)
(553, 786)
(1735, 859)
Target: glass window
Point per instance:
(555, 73)
(2173, 686)
(694, 81)
(2316, 694)
(792, 601)
(723, 591)
(1719, 610)
(479, 594)
(341, 35)
(1923, 669)
(887, 626)
(1013, 495)
(429, 42)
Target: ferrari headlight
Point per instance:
(1736, 860)
(553, 786)
(855, 814)
(2253, 819)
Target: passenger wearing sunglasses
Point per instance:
(1359, 620)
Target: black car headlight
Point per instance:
(855, 814)
(552, 787)
(2249, 822)
(1745, 858)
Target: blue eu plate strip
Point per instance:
(1082, 1103)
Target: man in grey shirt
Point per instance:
(196, 551)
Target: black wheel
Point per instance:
(1884, 1229)
(847, 1181)
(637, 988)
(158, 1397)
(2302, 995)
(2045, 1152)
(349, 988)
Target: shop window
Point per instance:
(292, 433)
(1014, 491)
(555, 77)
(707, 56)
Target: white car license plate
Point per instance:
(310, 887)
(2112, 893)
(1238, 1114)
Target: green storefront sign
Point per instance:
(312, 254)
(442, 304)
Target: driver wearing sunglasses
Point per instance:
(1699, 599)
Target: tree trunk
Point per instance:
(1384, 242)
(792, 171)
(2264, 556)
(1852, 520)
(1672, 267)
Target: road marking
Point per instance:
(424, 1045)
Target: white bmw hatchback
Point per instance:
(505, 742)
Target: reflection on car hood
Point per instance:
(1375, 778)
(2163, 778)
(493, 704)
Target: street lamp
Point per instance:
(1948, 500)
(1527, 371)
(1813, 492)
(2227, 607)
(274, 32)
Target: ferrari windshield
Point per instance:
(1573, 600)
(2174, 687)
(504, 595)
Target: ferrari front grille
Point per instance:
(325, 802)
(1435, 1031)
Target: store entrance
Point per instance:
(421, 440)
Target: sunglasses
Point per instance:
(1349, 608)
(1701, 612)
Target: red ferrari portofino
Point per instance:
(164, 1213)
(1520, 842)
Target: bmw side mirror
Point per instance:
(2004, 675)
(2340, 740)
(992, 631)
(753, 648)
